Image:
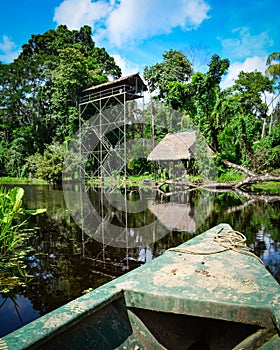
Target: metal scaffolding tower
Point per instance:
(107, 108)
(105, 113)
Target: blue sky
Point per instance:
(138, 32)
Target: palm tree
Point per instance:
(273, 70)
(273, 63)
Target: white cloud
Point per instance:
(135, 20)
(76, 13)
(243, 44)
(129, 68)
(126, 66)
(249, 65)
(124, 22)
(8, 50)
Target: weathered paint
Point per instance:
(227, 286)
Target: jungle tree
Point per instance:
(41, 88)
(243, 110)
(175, 67)
(198, 97)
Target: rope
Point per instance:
(230, 240)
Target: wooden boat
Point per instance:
(208, 293)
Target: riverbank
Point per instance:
(269, 187)
(22, 180)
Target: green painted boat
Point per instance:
(208, 293)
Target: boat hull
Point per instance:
(198, 293)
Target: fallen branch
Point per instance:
(239, 167)
(257, 179)
(253, 178)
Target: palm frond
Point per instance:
(274, 56)
(273, 70)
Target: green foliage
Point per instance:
(250, 87)
(21, 180)
(48, 166)
(267, 152)
(273, 63)
(10, 224)
(40, 91)
(175, 67)
(237, 138)
(232, 121)
(13, 218)
(198, 98)
(137, 158)
(267, 188)
(204, 161)
(230, 175)
(10, 209)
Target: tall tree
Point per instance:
(242, 110)
(252, 89)
(273, 71)
(199, 97)
(40, 89)
(175, 67)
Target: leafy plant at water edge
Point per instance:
(11, 233)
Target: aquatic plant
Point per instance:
(13, 217)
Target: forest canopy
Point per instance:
(40, 93)
(240, 123)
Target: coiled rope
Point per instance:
(230, 240)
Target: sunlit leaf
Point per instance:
(35, 211)
(16, 195)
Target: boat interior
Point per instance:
(116, 326)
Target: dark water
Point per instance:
(120, 231)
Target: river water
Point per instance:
(90, 238)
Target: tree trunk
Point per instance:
(253, 178)
(239, 167)
(256, 179)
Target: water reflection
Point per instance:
(182, 211)
(67, 259)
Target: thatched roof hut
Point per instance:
(179, 146)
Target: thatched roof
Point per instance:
(175, 147)
(133, 80)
